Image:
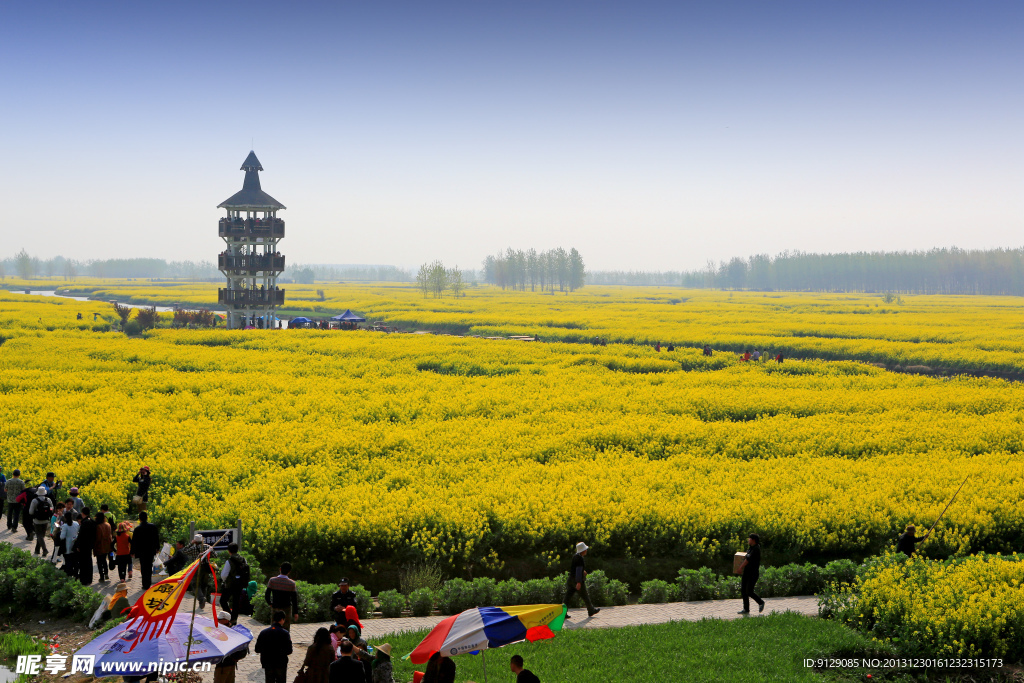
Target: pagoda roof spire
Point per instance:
(252, 196)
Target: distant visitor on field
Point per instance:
(577, 579)
(908, 540)
(751, 571)
(142, 492)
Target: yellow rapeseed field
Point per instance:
(942, 332)
(356, 448)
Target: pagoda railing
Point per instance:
(250, 297)
(251, 227)
(252, 262)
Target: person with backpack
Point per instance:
(40, 510)
(235, 576)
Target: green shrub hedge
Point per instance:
(32, 583)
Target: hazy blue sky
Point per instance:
(647, 135)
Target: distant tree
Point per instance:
(304, 276)
(423, 279)
(577, 271)
(456, 282)
(123, 312)
(438, 278)
(25, 265)
(147, 317)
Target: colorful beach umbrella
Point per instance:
(481, 628)
(118, 653)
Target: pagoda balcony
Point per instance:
(251, 227)
(240, 298)
(251, 263)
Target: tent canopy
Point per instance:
(349, 317)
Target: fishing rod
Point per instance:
(944, 509)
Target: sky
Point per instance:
(648, 135)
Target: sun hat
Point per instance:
(581, 546)
(41, 491)
(198, 537)
(385, 648)
(223, 616)
(74, 491)
(121, 587)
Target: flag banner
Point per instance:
(154, 611)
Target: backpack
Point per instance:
(43, 509)
(240, 573)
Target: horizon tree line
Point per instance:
(517, 269)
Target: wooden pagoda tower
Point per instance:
(250, 260)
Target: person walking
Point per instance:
(101, 548)
(68, 536)
(908, 541)
(577, 579)
(14, 488)
(26, 498)
(282, 594)
(192, 552)
(84, 546)
(345, 669)
(341, 599)
(523, 675)
(751, 571)
(235, 577)
(145, 546)
(40, 511)
(273, 645)
(319, 657)
(123, 551)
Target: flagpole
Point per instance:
(192, 624)
(195, 595)
(483, 656)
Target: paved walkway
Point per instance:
(378, 629)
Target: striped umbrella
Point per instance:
(481, 628)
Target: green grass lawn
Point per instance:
(770, 648)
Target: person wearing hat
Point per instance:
(51, 486)
(577, 579)
(40, 510)
(118, 602)
(142, 492)
(76, 502)
(382, 672)
(192, 552)
(319, 657)
(341, 599)
(225, 670)
(908, 540)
